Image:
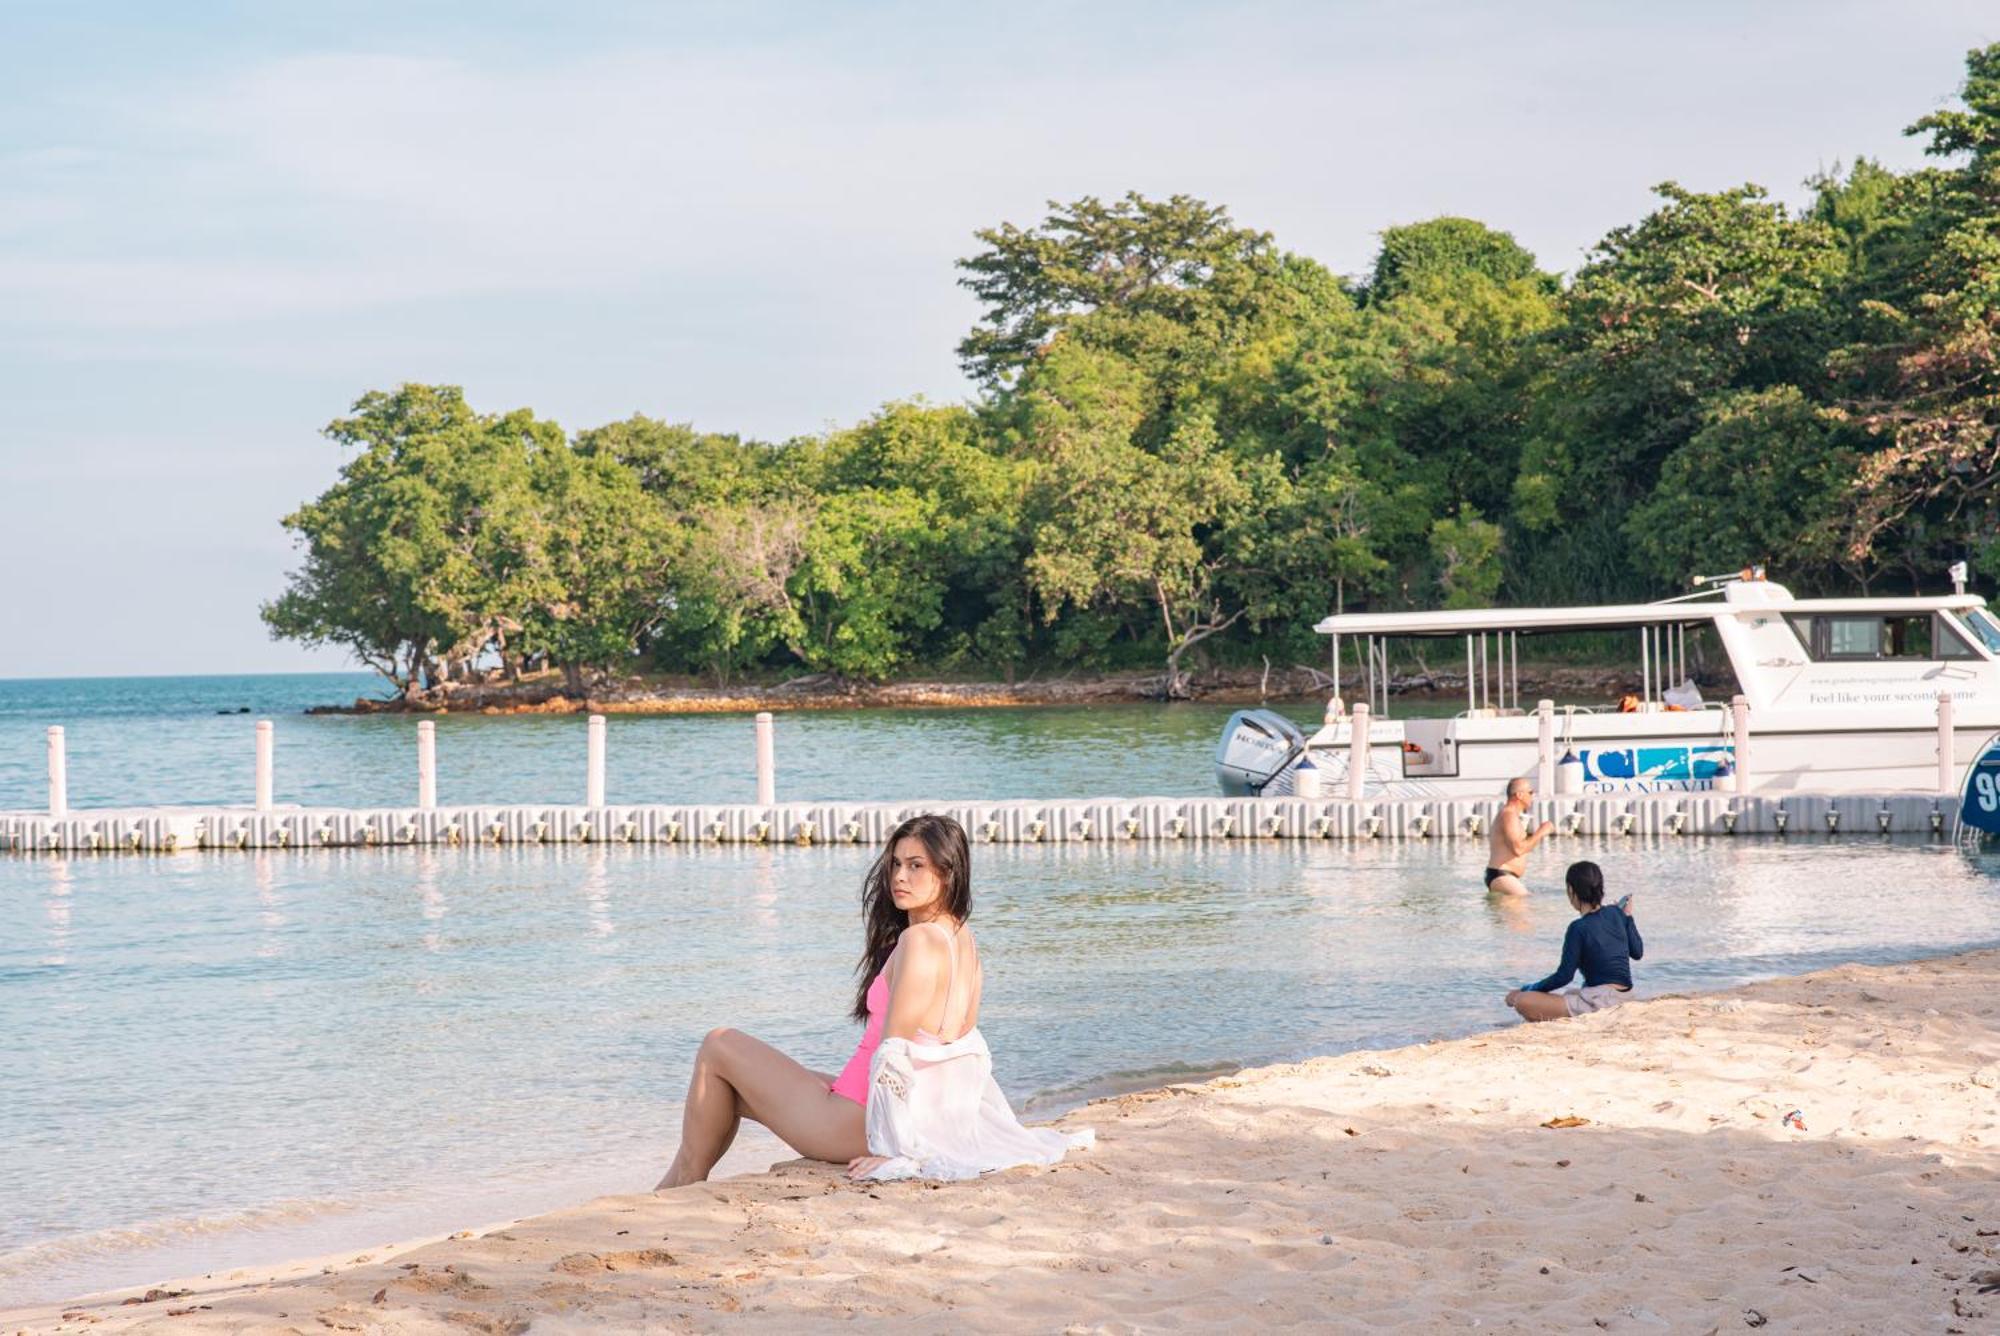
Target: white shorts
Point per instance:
(1598, 997)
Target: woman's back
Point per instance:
(952, 960)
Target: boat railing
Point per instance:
(1651, 707)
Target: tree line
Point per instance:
(1188, 444)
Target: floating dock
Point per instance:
(1067, 821)
(264, 824)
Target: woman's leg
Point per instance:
(1542, 1006)
(737, 1077)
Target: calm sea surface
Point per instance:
(142, 741)
(217, 1060)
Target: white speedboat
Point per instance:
(1837, 695)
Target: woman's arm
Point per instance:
(1633, 946)
(914, 983)
(1572, 957)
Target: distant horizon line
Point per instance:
(169, 677)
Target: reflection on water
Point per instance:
(289, 1052)
(430, 897)
(56, 911)
(1510, 912)
(764, 889)
(270, 913)
(597, 898)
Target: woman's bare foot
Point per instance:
(677, 1178)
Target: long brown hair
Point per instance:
(945, 843)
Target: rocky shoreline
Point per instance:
(549, 694)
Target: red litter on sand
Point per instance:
(1796, 1118)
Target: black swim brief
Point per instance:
(1493, 872)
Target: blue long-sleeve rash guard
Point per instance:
(1603, 944)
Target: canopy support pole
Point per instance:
(1368, 651)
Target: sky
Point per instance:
(220, 224)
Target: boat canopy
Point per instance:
(1493, 635)
(1620, 616)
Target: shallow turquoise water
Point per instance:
(147, 741)
(212, 1060)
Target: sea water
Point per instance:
(144, 741)
(219, 1060)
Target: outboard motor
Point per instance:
(1256, 754)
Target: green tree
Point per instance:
(1448, 248)
(1112, 524)
(1467, 549)
(1975, 130)
(969, 491)
(1353, 497)
(600, 566)
(1709, 295)
(1924, 376)
(685, 468)
(1857, 206)
(1164, 283)
(422, 553)
(1157, 349)
(732, 536)
(1766, 480)
(867, 586)
(1397, 415)
(728, 602)
(1461, 361)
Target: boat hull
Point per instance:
(1660, 753)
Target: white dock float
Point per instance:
(1028, 821)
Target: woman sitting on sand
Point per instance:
(910, 1102)
(1602, 940)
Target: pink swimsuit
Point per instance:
(852, 1083)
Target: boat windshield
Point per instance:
(1981, 623)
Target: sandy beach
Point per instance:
(1629, 1171)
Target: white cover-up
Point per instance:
(935, 1112)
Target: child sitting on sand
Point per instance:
(1602, 940)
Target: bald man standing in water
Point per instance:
(1508, 860)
